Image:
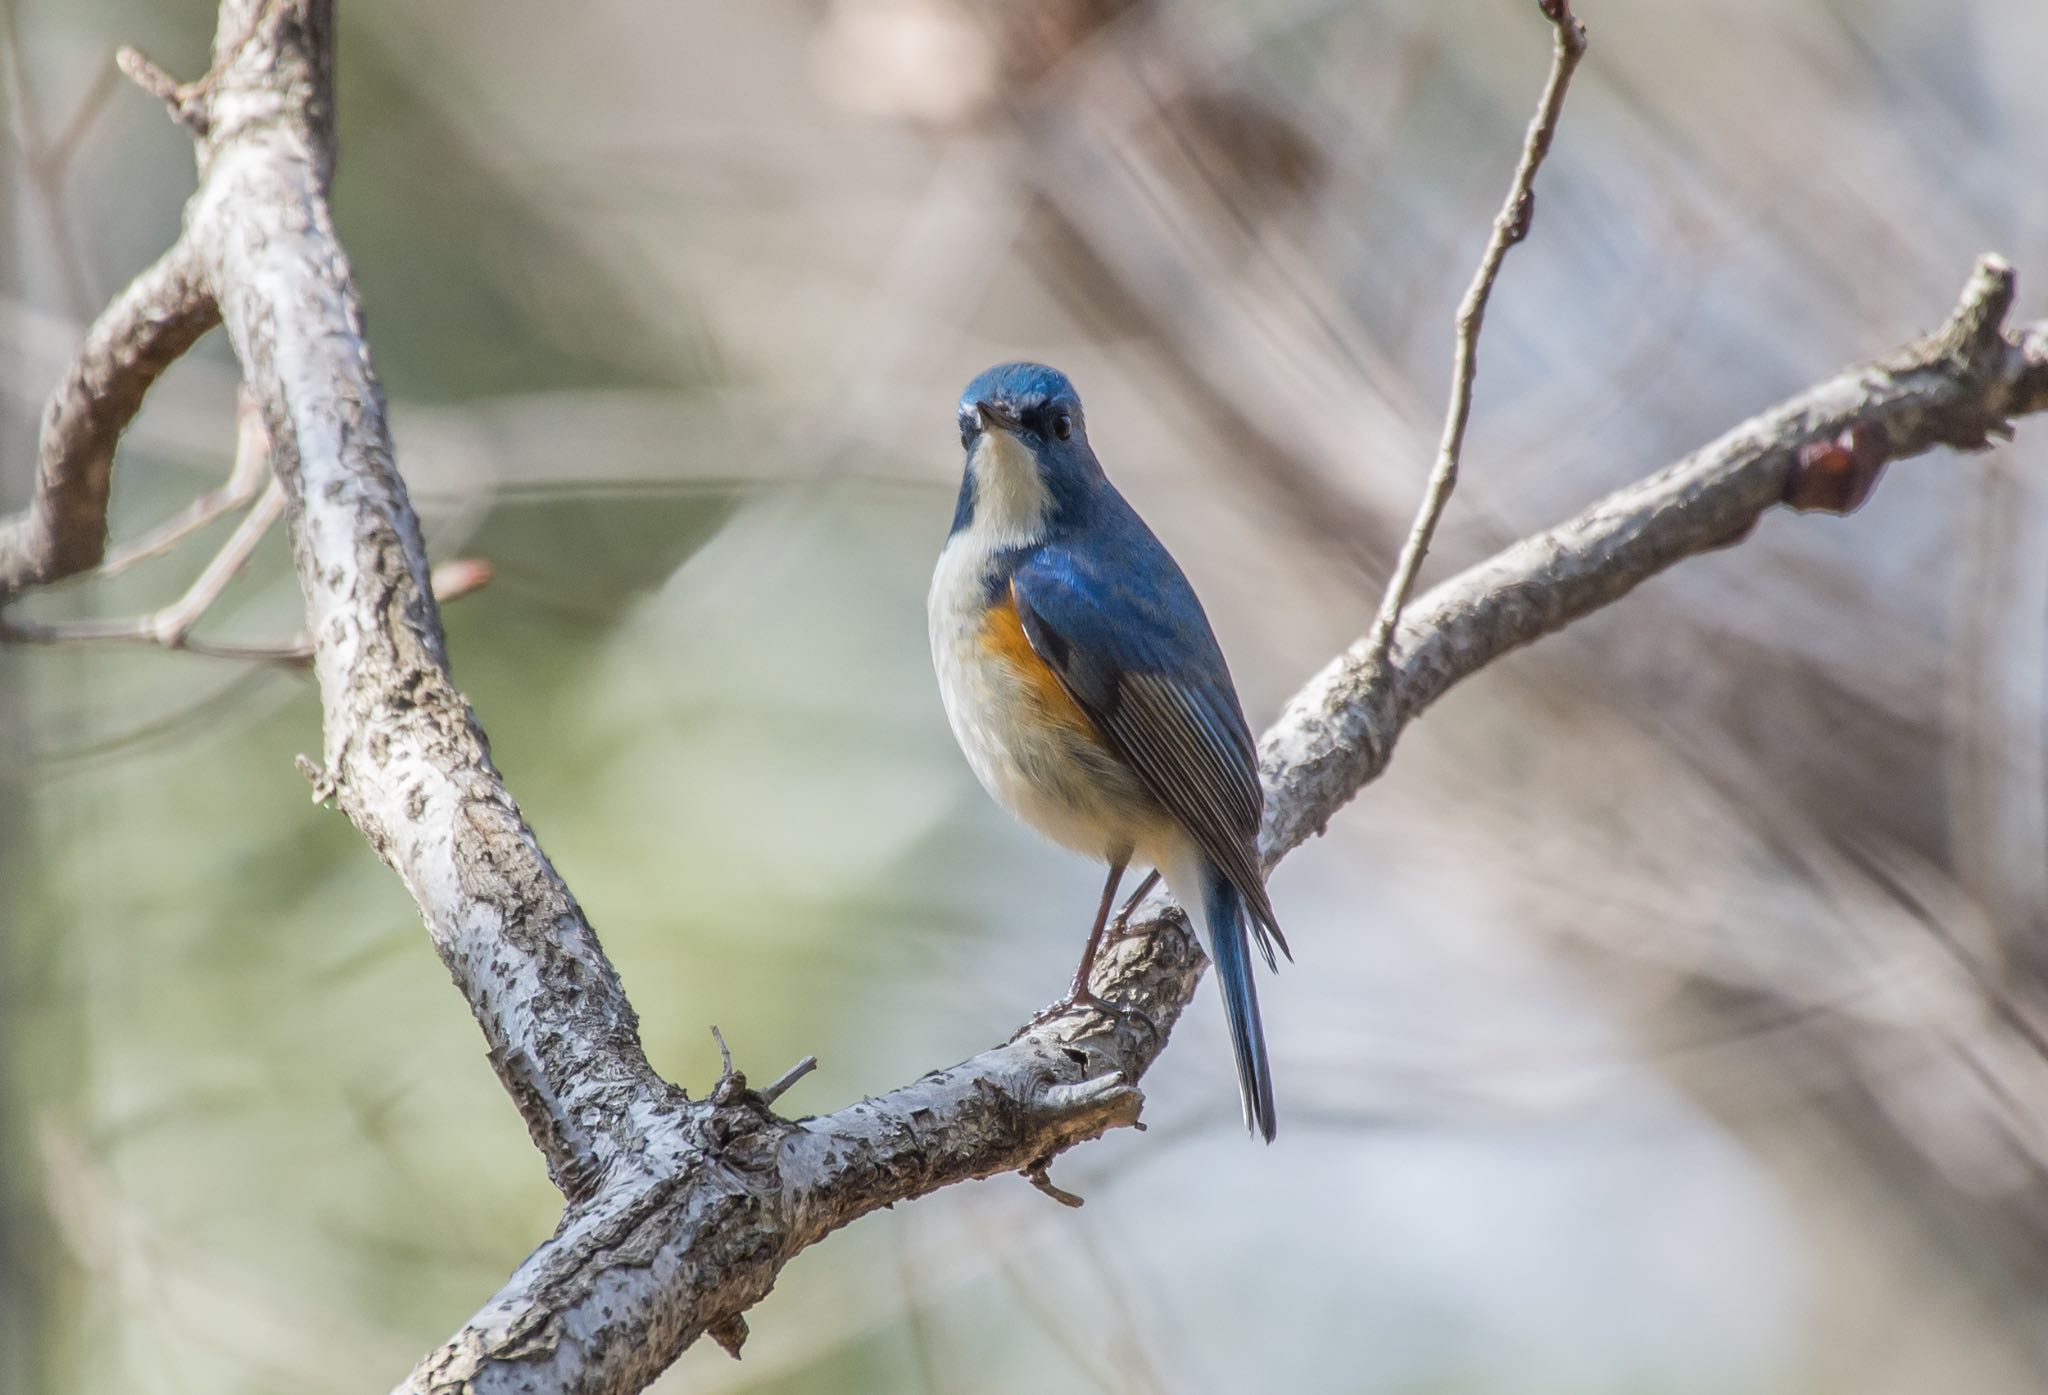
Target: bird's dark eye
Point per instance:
(1063, 426)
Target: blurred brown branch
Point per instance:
(682, 1212)
(172, 625)
(160, 314)
(239, 490)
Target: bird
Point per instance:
(1086, 688)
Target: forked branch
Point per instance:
(682, 1212)
(162, 313)
(1510, 226)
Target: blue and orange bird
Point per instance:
(1088, 692)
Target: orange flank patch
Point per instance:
(1003, 637)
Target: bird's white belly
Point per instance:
(1058, 780)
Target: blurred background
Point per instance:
(1672, 1019)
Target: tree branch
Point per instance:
(749, 1191)
(681, 1213)
(171, 626)
(162, 313)
(1958, 387)
(1510, 226)
(405, 758)
(245, 481)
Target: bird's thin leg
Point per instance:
(1123, 917)
(1079, 994)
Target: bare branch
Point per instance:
(174, 622)
(407, 761)
(187, 102)
(244, 482)
(162, 313)
(773, 1092)
(1510, 226)
(178, 99)
(681, 1213)
(782, 1186)
(1959, 387)
(171, 626)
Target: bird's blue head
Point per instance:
(1029, 466)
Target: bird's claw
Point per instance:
(1086, 1000)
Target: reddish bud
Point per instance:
(1836, 476)
(454, 580)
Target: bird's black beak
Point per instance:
(996, 414)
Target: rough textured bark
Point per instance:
(162, 313)
(405, 758)
(681, 1212)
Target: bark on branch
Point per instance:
(741, 1192)
(682, 1212)
(404, 756)
(1510, 226)
(1960, 386)
(162, 313)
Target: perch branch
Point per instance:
(774, 1186)
(682, 1212)
(1510, 226)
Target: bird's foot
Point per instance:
(1120, 926)
(1082, 999)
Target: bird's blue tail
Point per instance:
(1230, 950)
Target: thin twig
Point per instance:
(1510, 226)
(1039, 1175)
(175, 621)
(145, 74)
(725, 1070)
(238, 491)
(46, 162)
(171, 627)
(779, 1086)
(187, 101)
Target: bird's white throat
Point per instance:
(1011, 502)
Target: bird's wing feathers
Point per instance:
(1137, 655)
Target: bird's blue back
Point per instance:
(1106, 585)
(1112, 614)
